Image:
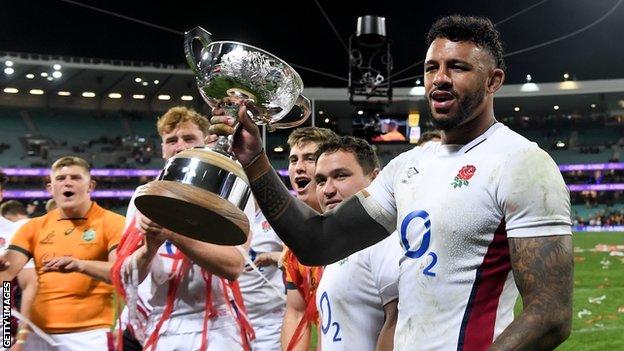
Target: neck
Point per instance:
(76, 212)
(466, 132)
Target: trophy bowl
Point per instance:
(201, 193)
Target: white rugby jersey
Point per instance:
(455, 207)
(7, 230)
(190, 303)
(264, 304)
(352, 293)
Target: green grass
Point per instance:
(604, 328)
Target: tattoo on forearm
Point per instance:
(271, 195)
(543, 270)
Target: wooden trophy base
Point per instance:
(193, 212)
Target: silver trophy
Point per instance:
(201, 193)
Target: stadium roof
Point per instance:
(574, 36)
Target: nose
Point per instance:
(300, 166)
(442, 79)
(181, 145)
(329, 190)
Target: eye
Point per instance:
(459, 68)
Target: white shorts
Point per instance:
(267, 337)
(92, 340)
(224, 338)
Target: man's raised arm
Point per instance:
(316, 239)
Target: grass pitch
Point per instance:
(599, 290)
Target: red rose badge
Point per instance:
(464, 174)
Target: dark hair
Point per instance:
(3, 178)
(478, 30)
(12, 207)
(363, 151)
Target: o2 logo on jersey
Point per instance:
(326, 323)
(416, 231)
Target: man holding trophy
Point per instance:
(481, 216)
(191, 301)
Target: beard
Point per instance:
(467, 107)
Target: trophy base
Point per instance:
(193, 212)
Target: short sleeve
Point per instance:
(22, 240)
(382, 187)
(533, 196)
(384, 264)
(114, 230)
(378, 198)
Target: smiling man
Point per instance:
(481, 215)
(73, 248)
(357, 296)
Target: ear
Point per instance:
(496, 80)
(49, 188)
(374, 173)
(92, 185)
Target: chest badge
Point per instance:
(266, 226)
(88, 234)
(463, 176)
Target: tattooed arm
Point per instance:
(543, 269)
(316, 239)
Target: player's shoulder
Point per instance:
(509, 140)
(41, 221)
(111, 218)
(114, 216)
(407, 157)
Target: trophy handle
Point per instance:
(203, 36)
(303, 103)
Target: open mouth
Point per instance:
(68, 193)
(302, 182)
(442, 99)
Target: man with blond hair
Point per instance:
(302, 281)
(73, 248)
(182, 293)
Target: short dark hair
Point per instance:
(12, 207)
(363, 151)
(478, 30)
